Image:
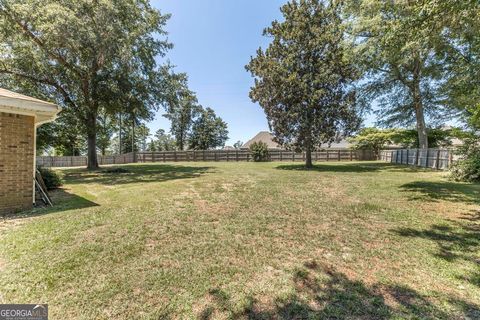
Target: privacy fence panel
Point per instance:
(207, 156)
(440, 159)
(81, 161)
(244, 155)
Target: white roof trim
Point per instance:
(11, 102)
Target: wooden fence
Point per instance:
(207, 155)
(81, 161)
(245, 155)
(440, 159)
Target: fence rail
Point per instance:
(245, 155)
(81, 161)
(440, 159)
(206, 155)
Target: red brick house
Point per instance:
(19, 118)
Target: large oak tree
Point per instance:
(85, 55)
(397, 54)
(303, 80)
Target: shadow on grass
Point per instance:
(447, 191)
(355, 167)
(323, 293)
(62, 201)
(459, 241)
(135, 174)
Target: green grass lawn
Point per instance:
(249, 241)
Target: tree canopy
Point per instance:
(181, 108)
(304, 79)
(85, 55)
(208, 131)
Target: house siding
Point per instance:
(17, 143)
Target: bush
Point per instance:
(116, 170)
(467, 168)
(259, 151)
(51, 178)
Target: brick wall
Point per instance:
(16, 162)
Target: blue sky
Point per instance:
(213, 41)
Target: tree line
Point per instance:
(99, 60)
(330, 62)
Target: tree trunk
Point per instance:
(92, 162)
(419, 114)
(308, 161)
(308, 154)
(418, 105)
(133, 134)
(120, 134)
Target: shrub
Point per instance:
(259, 151)
(116, 170)
(467, 168)
(52, 179)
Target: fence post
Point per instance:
(417, 157)
(339, 158)
(427, 158)
(438, 159)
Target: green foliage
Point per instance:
(378, 139)
(397, 54)
(162, 142)
(238, 144)
(303, 80)
(182, 108)
(66, 135)
(85, 55)
(460, 49)
(208, 131)
(373, 139)
(106, 129)
(259, 151)
(467, 167)
(52, 179)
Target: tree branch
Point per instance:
(49, 82)
(39, 42)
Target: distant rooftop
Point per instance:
(267, 137)
(262, 136)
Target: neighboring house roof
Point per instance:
(267, 137)
(262, 136)
(12, 102)
(341, 144)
